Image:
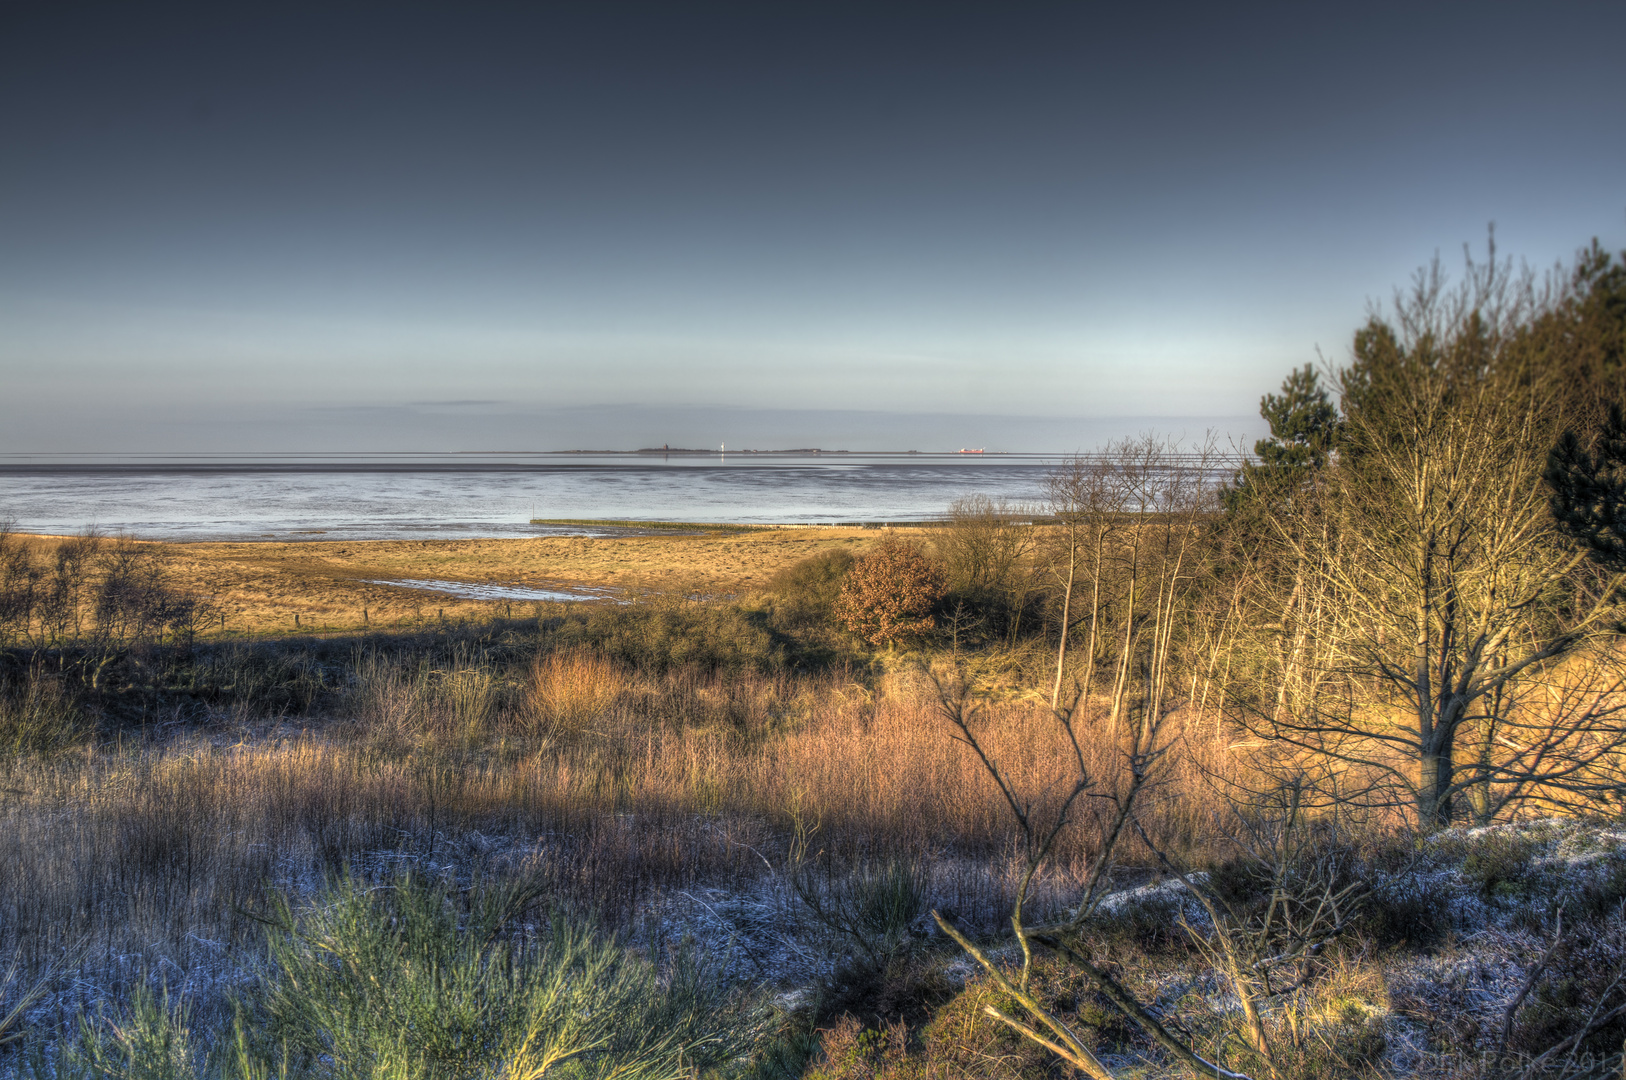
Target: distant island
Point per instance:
(690, 450)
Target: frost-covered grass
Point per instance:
(664, 798)
(412, 980)
(1459, 965)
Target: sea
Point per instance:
(469, 496)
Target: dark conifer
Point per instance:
(1588, 485)
(1303, 432)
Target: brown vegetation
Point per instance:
(145, 857)
(260, 587)
(889, 594)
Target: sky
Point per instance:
(478, 226)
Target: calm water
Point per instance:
(420, 497)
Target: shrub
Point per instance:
(1499, 861)
(40, 719)
(875, 907)
(1141, 926)
(889, 594)
(654, 637)
(1242, 882)
(569, 690)
(958, 1038)
(1406, 909)
(1596, 888)
(1582, 997)
(812, 585)
(415, 980)
(273, 678)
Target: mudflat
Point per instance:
(335, 584)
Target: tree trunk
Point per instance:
(1434, 788)
(1066, 616)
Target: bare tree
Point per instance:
(985, 546)
(1085, 498)
(1431, 591)
(88, 601)
(1131, 543)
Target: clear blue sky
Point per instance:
(523, 226)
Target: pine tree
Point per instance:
(1588, 486)
(1304, 427)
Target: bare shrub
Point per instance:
(40, 717)
(90, 602)
(986, 547)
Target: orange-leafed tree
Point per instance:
(889, 594)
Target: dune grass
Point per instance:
(412, 980)
(147, 859)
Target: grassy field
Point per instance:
(261, 587)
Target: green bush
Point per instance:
(875, 907)
(890, 899)
(415, 980)
(810, 587)
(655, 638)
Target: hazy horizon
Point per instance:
(475, 427)
(422, 228)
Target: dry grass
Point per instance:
(572, 690)
(260, 587)
(646, 794)
(144, 861)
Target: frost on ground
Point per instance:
(1477, 953)
(1476, 950)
